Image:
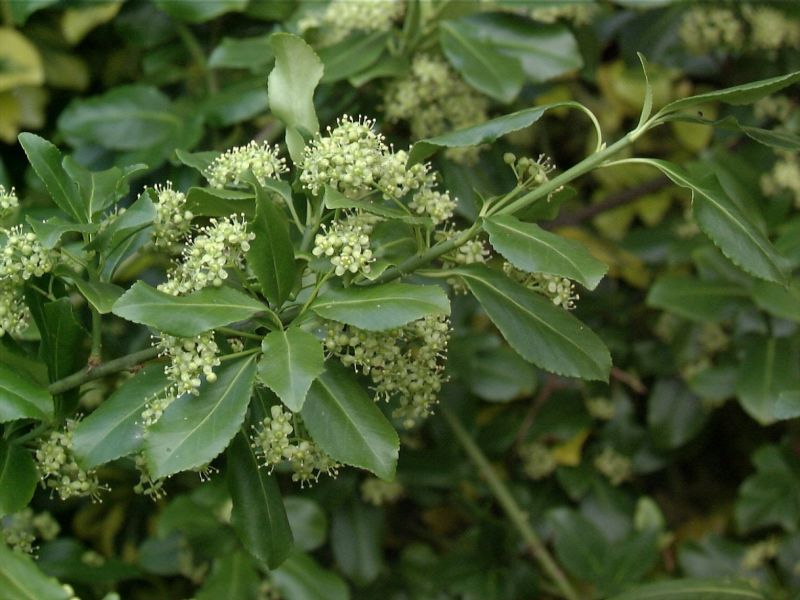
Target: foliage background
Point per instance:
(684, 465)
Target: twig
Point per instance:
(629, 379)
(123, 363)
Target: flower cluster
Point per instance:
(578, 13)
(405, 364)
(439, 206)
(785, 176)
(600, 408)
(538, 461)
(147, 484)
(343, 17)
(397, 180)
(274, 443)
(433, 99)
(379, 493)
(771, 29)
(173, 222)
(346, 244)
(218, 246)
(779, 108)
(19, 530)
(8, 202)
(58, 468)
(706, 28)
(617, 467)
(560, 290)
(21, 258)
(529, 172)
(228, 169)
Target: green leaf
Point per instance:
(20, 579)
(483, 66)
(483, 133)
(770, 366)
(301, 578)
(741, 94)
(356, 532)
(692, 589)
(195, 429)
(543, 51)
(647, 105)
(772, 495)
(200, 161)
(185, 316)
(348, 426)
(101, 189)
(381, 307)
(236, 103)
(18, 478)
(101, 296)
(352, 55)
(291, 361)
(271, 253)
(125, 235)
(22, 9)
(49, 232)
(291, 86)
(542, 333)
(233, 576)
(214, 202)
(258, 515)
(530, 248)
(114, 429)
(335, 199)
(21, 398)
(200, 12)
(253, 53)
(697, 299)
(788, 405)
(45, 159)
(674, 414)
(63, 337)
(783, 302)
(727, 226)
(308, 522)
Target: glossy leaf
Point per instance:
(101, 296)
(770, 496)
(45, 159)
(696, 589)
(20, 579)
(199, 12)
(783, 302)
(484, 67)
(356, 532)
(726, 225)
(258, 515)
(49, 232)
(291, 86)
(381, 307)
(63, 338)
(542, 333)
(301, 578)
(674, 414)
(741, 94)
(770, 366)
(530, 248)
(308, 522)
(195, 429)
(101, 189)
(22, 398)
(212, 202)
(115, 429)
(292, 359)
(696, 299)
(352, 55)
(185, 316)
(271, 253)
(253, 53)
(233, 576)
(482, 133)
(18, 478)
(347, 424)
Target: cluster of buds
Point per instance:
(560, 290)
(771, 29)
(577, 13)
(14, 313)
(784, 177)
(617, 467)
(405, 364)
(379, 493)
(59, 470)
(262, 160)
(217, 247)
(778, 108)
(759, 554)
(706, 28)
(147, 485)
(21, 529)
(397, 180)
(538, 461)
(173, 222)
(8, 202)
(529, 172)
(23, 256)
(439, 206)
(346, 244)
(274, 442)
(343, 17)
(433, 99)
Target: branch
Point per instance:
(611, 202)
(90, 373)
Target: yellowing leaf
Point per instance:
(621, 264)
(22, 108)
(568, 454)
(20, 62)
(693, 136)
(652, 208)
(64, 70)
(77, 22)
(9, 117)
